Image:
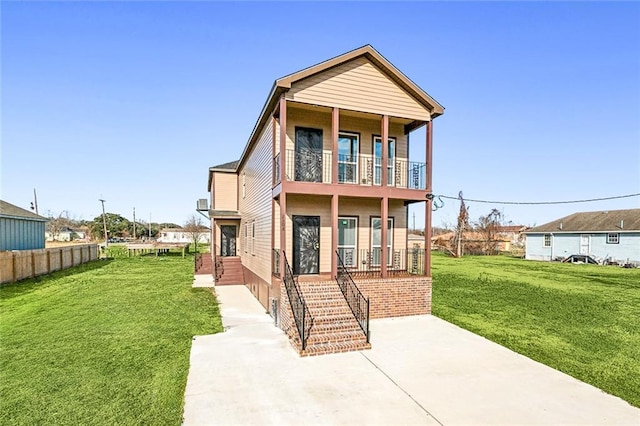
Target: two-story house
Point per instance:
(315, 210)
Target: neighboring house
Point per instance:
(612, 235)
(327, 164)
(20, 229)
(66, 234)
(179, 235)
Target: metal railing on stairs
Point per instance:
(218, 267)
(197, 262)
(301, 315)
(355, 299)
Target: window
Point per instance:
(547, 240)
(613, 238)
(245, 240)
(253, 237)
(376, 240)
(347, 240)
(348, 158)
(377, 150)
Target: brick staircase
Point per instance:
(334, 328)
(232, 271)
(205, 266)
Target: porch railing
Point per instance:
(355, 299)
(301, 315)
(275, 262)
(360, 169)
(369, 261)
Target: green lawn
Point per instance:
(583, 320)
(104, 343)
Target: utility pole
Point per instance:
(134, 223)
(149, 225)
(104, 223)
(35, 200)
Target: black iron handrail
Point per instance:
(301, 314)
(219, 267)
(355, 299)
(197, 262)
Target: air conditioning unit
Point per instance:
(203, 205)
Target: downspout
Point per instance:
(552, 243)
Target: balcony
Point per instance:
(361, 169)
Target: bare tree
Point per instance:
(489, 227)
(194, 228)
(463, 224)
(57, 224)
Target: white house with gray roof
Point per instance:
(604, 235)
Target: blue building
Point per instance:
(20, 229)
(613, 235)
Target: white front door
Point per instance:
(585, 242)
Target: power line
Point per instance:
(535, 202)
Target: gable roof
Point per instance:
(601, 221)
(11, 211)
(231, 165)
(283, 84)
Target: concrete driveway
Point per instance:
(420, 371)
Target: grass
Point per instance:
(107, 342)
(583, 320)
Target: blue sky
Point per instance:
(133, 101)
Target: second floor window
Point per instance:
(377, 151)
(348, 158)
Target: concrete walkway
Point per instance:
(421, 371)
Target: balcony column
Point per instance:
(385, 150)
(283, 142)
(283, 183)
(335, 199)
(384, 219)
(335, 126)
(428, 205)
(283, 232)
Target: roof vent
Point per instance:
(561, 226)
(621, 223)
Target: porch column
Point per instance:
(384, 218)
(428, 205)
(214, 254)
(283, 232)
(335, 199)
(283, 142)
(385, 150)
(335, 126)
(283, 183)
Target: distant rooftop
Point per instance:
(602, 221)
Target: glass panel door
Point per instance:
(347, 228)
(376, 241)
(377, 151)
(347, 158)
(308, 155)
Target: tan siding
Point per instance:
(366, 209)
(256, 205)
(297, 117)
(225, 192)
(358, 85)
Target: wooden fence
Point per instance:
(23, 264)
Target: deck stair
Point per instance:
(231, 271)
(334, 328)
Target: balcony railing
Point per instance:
(368, 262)
(361, 169)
